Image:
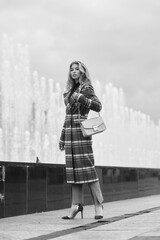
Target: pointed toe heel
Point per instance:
(76, 209)
(98, 217)
(66, 218)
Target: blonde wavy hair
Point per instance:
(84, 78)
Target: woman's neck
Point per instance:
(76, 81)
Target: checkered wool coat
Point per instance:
(78, 149)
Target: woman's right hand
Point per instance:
(61, 146)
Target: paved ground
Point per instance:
(134, 219)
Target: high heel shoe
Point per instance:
(76, 209)
(99, 209)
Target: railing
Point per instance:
(32, 113)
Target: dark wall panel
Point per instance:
(37, 189)
(129, 183)
(15, 190)
(117, 186)
(107, 189)
(30, 188)
(55, 188)
(2, 179)
(148, 182)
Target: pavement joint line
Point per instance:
(92, 225)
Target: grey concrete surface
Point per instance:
(49, 225)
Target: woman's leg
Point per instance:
(97, 198)
(77, 194)
(77, 201)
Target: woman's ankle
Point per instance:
(98, 209)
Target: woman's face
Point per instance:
(75, 72)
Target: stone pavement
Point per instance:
(134, 219)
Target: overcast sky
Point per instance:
(119, 41)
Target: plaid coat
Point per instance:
(78, 149)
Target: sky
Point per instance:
(118, 40)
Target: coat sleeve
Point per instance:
(69, 102)
(88, 98)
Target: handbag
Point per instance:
(92, 126)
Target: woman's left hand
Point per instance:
(75, 95)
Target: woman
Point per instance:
(79, 98)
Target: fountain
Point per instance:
(32, 114)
